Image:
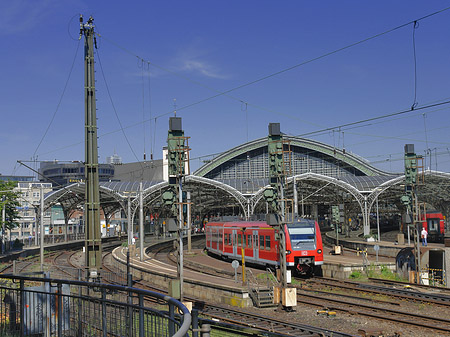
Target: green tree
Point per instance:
(9, 200)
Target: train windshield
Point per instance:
(433, 225)
(302, 234)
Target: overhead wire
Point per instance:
(373, 119)
(143, 104)
(115, 111)
(221, 93)
(225, 93)
(415, 26)
(59, 101)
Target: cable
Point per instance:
(150, 109)
(143, 104)
(372, 119)
(60, 100)
(115, 111)
(416, 25)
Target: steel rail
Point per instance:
(411, 319)
(266, 323)
(400, 293)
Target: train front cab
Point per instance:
(304, 246)
(434, 225)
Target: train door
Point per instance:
(235, 243)
(255, 245)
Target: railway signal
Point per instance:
(409, 199)
(274, 196)
(178, 167)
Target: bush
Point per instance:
(355, 275)
(17, 244)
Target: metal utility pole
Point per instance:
(188, 210)
(129, 225)
(178, 157)
(141, 222)
(3, 223)
(42, 228)
(93, 244)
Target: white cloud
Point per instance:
(203, 68)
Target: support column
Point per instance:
(129, 224)
(141, 222)
(188, 196)
(295, 197)
(66, 223)
(42, 228)
(366, 221)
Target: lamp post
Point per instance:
(3, 223)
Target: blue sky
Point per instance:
(193, 50)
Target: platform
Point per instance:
(197, 285)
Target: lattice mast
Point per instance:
(93, 245)
(413, 178)
(275, 194)
(178, 167)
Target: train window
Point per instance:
(229, 239)
(261, 242)
(249, 240)
(225, 241)
(433, 225)
(267, 242)
(239, 240)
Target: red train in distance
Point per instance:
(304, 250)
(435, 225)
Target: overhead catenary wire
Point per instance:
(115, 111)
(414, 22)
(59, 101)
(415, 26)
(374, 118)
(226, 92)
(279, 72)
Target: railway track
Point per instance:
(264, 323)
(382, 313)
(404, 294)
(257, 323)
(411, 285)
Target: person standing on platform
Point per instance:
(424, 235)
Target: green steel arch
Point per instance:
(328, 152)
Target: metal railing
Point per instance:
(36, 306)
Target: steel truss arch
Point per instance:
(314, 176)
(150, 192)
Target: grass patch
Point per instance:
(373, 271)
(355, 275)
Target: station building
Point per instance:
(233, 183)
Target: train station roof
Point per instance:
(235, 181)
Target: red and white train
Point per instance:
(435, 225)
(433, 222)
(304, 250)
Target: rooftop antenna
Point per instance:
(175, 107)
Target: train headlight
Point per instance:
(319, 251)
(288, 252)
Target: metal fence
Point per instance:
(35, 306)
